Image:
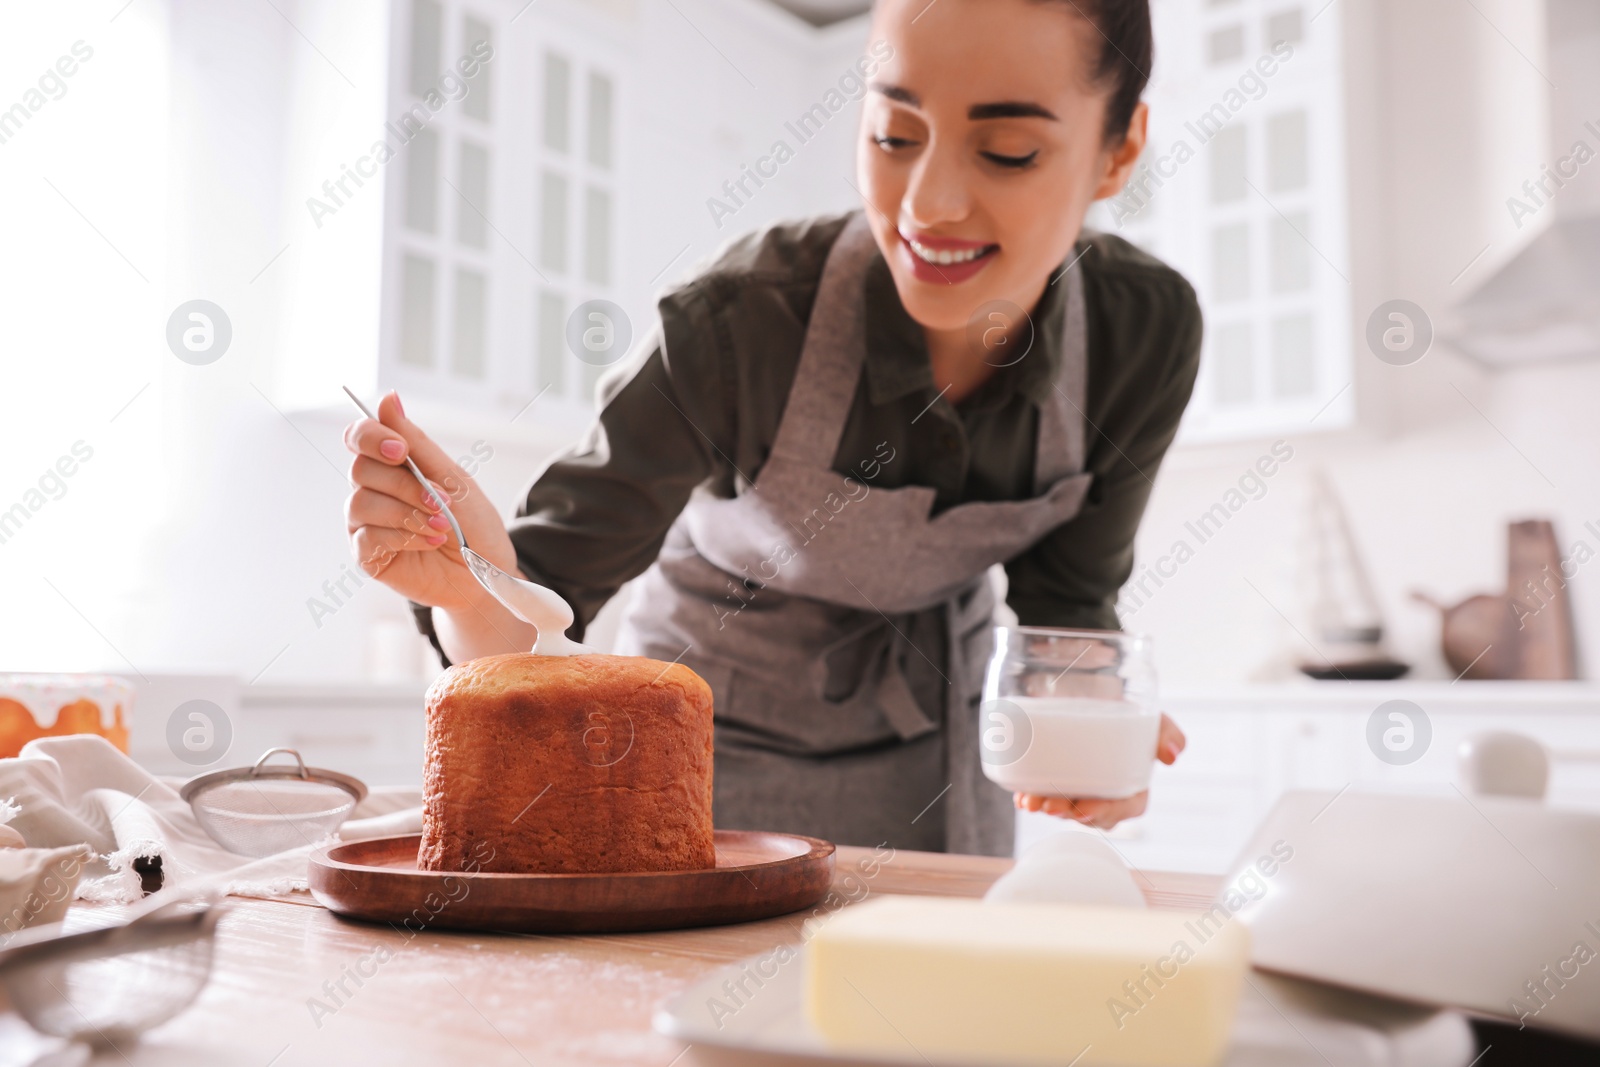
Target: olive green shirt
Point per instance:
(702, 407)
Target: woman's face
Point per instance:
(981, 148)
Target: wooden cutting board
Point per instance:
(758, 875)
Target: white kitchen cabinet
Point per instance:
(1309, 750)
(160, 715)
(471, 216)
(1243, 189)
(374, 732)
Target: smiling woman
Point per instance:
(847, 681)
(979, 184)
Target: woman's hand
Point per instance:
(398, 533)
(1104, 814)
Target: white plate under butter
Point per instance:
(1281, 1023)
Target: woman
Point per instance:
(845, 422)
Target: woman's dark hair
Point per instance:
(1122, 58)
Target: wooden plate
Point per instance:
(758, 875)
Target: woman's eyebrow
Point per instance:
(1010, 109)
(1005, 109)
(894, 92)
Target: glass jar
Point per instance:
(1069, 713)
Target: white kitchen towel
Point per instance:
(81, 790)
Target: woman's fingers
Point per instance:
(377, 547)
(1170, 742)
(396, 522)
(1091, 811)
(396, 482)
(390, 438)
(382, 449)
(371, 438)
(367, 507)
(1081, 809)
(435, 462)
(1103, 814)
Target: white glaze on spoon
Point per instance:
(532, 603)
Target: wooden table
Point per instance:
(466, 998)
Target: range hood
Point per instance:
(1544, 303)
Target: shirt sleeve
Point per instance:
(1071, 576)
(597, 514)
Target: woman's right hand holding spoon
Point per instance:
(401, 537)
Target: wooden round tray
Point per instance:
(757, 875)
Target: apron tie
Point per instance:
(900, 707)
(877, 654)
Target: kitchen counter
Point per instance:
(446, 997)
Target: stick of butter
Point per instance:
(944, 979)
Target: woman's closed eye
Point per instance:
(1013, 162)
(889, 143)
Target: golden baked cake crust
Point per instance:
(567, 764)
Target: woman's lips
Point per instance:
(944, 260)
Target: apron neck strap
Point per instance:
(833, 355)
(1062, 415)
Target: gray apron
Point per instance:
(844, 630)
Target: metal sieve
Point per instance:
(106, 986)
(261, 810)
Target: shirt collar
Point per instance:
(897, 355)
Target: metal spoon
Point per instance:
(535, 605)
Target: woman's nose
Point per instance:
(938, 191)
